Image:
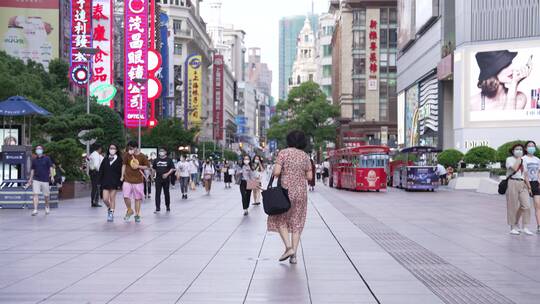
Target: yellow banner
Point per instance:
(194, 89)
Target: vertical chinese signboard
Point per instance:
(218, 97)
(102, 63)
(193, 89)
(136, 63)
(373, 60)
(80, 37)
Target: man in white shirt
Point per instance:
(441, 172)
(183, 172)
(94, 162)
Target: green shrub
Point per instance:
(480, 156)
(450, 157)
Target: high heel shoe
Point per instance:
(288, 253)
(292, 259)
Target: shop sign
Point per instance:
(80, 37)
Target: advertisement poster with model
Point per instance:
(504, 85)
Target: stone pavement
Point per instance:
(395, 247)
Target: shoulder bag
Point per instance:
(275, 199)
(503, 185)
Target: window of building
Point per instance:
(327, 50)
(359, 39)
(359, 112)
(359, 66)
(384, 16)
(393, 16)
(359, 17)
(306, 38)
(359, 89)
(298, 79)
(177, 25)
(164, 1)
(310, 77)
(327, 71)
(176, 2)
(383, 38)
(177, 48)
(327, 89)
(392, 38)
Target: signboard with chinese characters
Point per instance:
(136, 63)
(218, 97)
(193, 90)
(102, 39)
(373, 55)
(80, 37)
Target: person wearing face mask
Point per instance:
(208, 172)
(532, 163)
(517, 193)
(164, 168)
(133, 165)
(110, 173)
(258, 169)
(183, 171)
(94, 162)
(40, 176)
(246, 173)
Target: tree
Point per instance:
(450, 157)
(170, 134)
(67, 152)
(305, 109)
(480, 156)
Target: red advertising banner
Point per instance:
(80, 37)
(136, 63)
(218, 97)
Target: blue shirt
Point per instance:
(42, 168)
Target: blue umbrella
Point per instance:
(20, 106)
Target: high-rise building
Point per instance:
(289, 27)
(258, 73)
(364, 48)
(305, 64)
(236, 59)
(324, 53)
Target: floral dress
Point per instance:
(294, 166)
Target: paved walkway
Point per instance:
(395, 247)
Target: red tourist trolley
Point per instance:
(360, 168)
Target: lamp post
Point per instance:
(141, 81)
(88, 51)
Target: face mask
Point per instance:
(531, 150)
(518, 153)
(257, 161)
(39, 151)
(130, 152)
(112, 151)
(162, 153)
(246, 162)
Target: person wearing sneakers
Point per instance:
(164, 168)
(40, 176)
(532, 163)
(133, 166)
(517, 193)
(110, 173)
(183, 171)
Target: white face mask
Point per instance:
(246, 162)
(112, 151)
(39, 151)
(518, 153)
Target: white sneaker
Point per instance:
(514, 231)
(47, 210)
(34, 213)
(527, 231)
(538, 230)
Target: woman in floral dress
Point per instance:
(294, 168)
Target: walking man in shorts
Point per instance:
(133, 166)
(40, 176)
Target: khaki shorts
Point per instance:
(40, 188)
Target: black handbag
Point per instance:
(275, 199)
(503, 185)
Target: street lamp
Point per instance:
(140, 81)
(88, 51)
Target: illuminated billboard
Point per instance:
(503, 84)
(193, 89)
(30, 29)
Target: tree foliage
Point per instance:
(169, 134)
(480, 156)
(450, 157)
(305, 109)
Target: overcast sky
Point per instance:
(260, 20)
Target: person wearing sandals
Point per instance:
(532, 163)
(133, 165)
(110, 173)
(258, 169)
(228, 172)
(245, 174)
(517, 193)
(293, 167)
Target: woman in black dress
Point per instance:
(227, 176)
(110, 173)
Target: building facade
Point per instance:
(364, 47)
(289, 27)
(305, 64)
(258, 73)
(444, 47)
(324, 53)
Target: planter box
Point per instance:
(75, 189)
